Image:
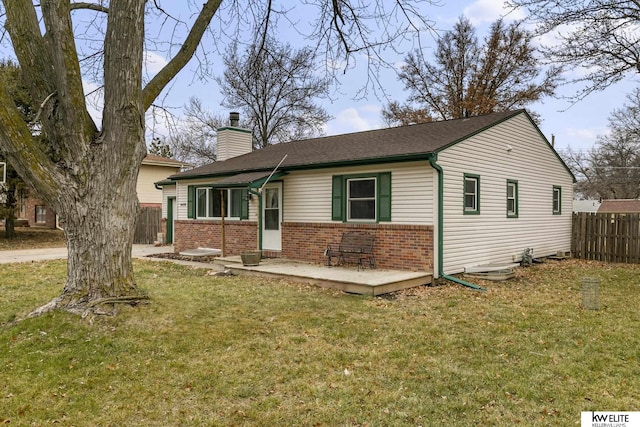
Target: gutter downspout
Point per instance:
(433, 158)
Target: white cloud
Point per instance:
(585, 133)
(487, 11)
(153, 63)
(354, 119)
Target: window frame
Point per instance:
(349, 199)
(3, 172)
(467, 210)
(514, 184)
(556, 190)
(40, 217)
(208, 203)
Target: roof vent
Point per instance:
(234, 119)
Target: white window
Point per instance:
(41, 214)
(557, 200)
(361, 199)
(471, 194)
(3, 172)
(512, 198)
(209, 202)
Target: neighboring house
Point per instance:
(438, 197)
(153, 168)
(620, 206)
(586, 205)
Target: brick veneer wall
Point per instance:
(239, 235)
(402, 247)
(30, 208)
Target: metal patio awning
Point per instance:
(247, 179)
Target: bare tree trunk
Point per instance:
(9, 228)
(99, 224)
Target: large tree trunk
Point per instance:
(87, 173)
(99, 231)
(98, 215)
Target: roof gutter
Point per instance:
(433, 158)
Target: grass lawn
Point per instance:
(248, 351)
(32, 237)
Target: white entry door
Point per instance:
(272, 216)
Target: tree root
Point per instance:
(54, 304)
(83, 310)
(131, 300)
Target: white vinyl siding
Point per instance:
(512, 150)
(167, 191)
(307, 194)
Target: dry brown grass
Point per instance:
(32, 237)
(248, 351)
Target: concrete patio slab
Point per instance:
(347, 279)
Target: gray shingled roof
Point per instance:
(391, 144)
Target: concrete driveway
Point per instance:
(30, 255)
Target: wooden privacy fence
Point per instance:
(606, 237)
(148, 225)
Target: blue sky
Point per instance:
(575, 125)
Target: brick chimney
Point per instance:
(233, 140)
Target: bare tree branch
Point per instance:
(160, 80)
(89, 6)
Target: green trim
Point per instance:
(337, 198)
(515, 196)
(384, 197)
(191, 201)
(553, 200)
(414, 157)
(244, 208)
(170, 202)
(465, 210)
(260, 182)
